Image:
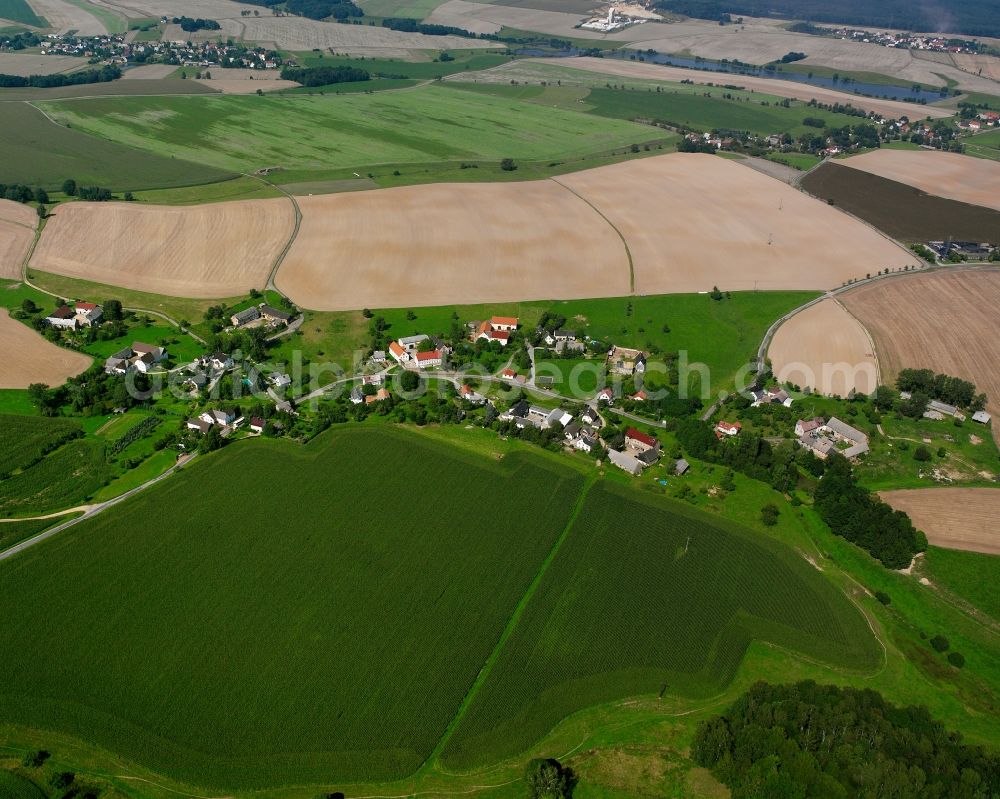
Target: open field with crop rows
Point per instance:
(960, 337)
(824, 348)
(39, 153)
(20, 11)
(18, 64)
(957, 177)
(956, 518)
(17, 226)
(647, 596)
(65, 16)
(350, 612)
(354, 130)
(24, 440)
(384, 247)
(62, 479)
(215, 250)
(382, 620)
(973, 576)
(26, 357)
(902, 211)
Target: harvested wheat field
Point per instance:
(200, 251)
(948, 321)
(26, 357)
(826, 349)
(694, 221)
(951, 175)
(956, 518)
(247, 81)
(640, 70)
(17, 229)
(451, 243)
(34, 64)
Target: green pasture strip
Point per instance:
(112, 22)
(25, 441)
(66, 477)
(973, 576)
(41, 153)
(20, 11)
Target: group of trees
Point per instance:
(191, 25)
(809, 740)
(415, 26)
(314, 9)
(858, 515)
(324, 76)
(20, 193)
(103, 74)
(942, 387)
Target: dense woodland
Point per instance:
(808, 740)
(973, 17)
(323, 76)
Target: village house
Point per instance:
(141, 357)
(625, 361)
(81, 314)
(257, 424)
(591, 416)
(519, 410)
(378, 356)
(378, 396)
(398, 353)
(681, 467)
(586, 443)
(606, 395)
(274, 316)
(639, 396)
(279, 380)
(245, 316)
(217, 416)
(982, 417)
(411, 344)
(834, 436)
(640, 442)
(469, 395)
(218, 360)
(427, 360)
(803, 426)
(373, 380)
(357, 395)
(728, 429)
(508, 374)
(201, 425)
(498, 328)
(625, 462)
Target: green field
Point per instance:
(62, 479)
(24, 441)
(704, 110)
(112, 22)
(645, 597)
(20, 11)
(39, 153)
(13, 786)
(413, 9)
(970, 575)
(12, 532)
(572, 376)
(313, 600)
(326, 133)
(984, 145)
(462, 61)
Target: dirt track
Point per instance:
(778, 88)
(209, 251)
(26, 357)
(956, 518)
(951, 175)
(826, 349)
(451, 243)
(945, 321)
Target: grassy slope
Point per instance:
(38, 152)
(723, 335)
(13, 786)
(426, 124)
(345, 614)
(984, 145)
(974, 577)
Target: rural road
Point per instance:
(93, 511)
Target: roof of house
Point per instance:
(520, 408)
(845, 430)
(378, 355)
(732, 426)
(649, 456)
(247, 314)
(640, 395)
(62, 312)
(590, 441)
(508, 373)
(267, 310)
(408, 340)
(637, 435)
(86, 306)
(504, 320)
(625, 461)
(681, 466)
(256, 421)
(395, 348)
(432, 355)
(981, 416)
(138, 346)
(858, 449)
(943, 407)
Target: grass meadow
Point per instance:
(647, 596)
(13, 786)
(232, 133)
(25, 441)
(40, 153)
(972, 576)
(60, 480)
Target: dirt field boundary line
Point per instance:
(628, 252)
(871, 341)
(270, 284)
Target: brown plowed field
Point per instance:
(696, 221)
(17, 224)
(451, 243)
(904, 212)
(217, 250)
(951, 175)
(26, 357)
(690, 221)
(948, 321)
(826, 349)
(956, 518)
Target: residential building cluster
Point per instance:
(825, 436)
